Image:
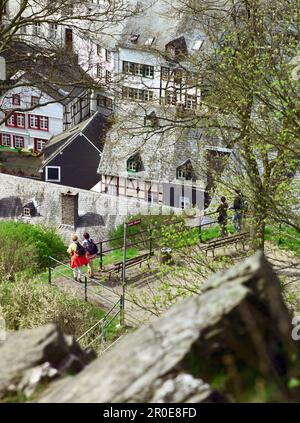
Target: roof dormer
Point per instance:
(176, 49)
(185, 171)
(135, 164)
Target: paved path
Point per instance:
(107, 293)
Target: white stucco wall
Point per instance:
(54, 112)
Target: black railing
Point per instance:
(151, 240)
(102, 325)
(55, 266)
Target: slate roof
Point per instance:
(161, 151)
(157, 20)
(56, 74)
(91, 130)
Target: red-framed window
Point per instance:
(20, 120)
(43, 123)
(34, 100)
(38, 122)
(10, 121)
(5, 140)
(19, 141)
(33, 121)
(39, 144)
(17, 120)
(16, 99)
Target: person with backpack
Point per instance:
(91, 252)
(222, 217)
(238, 207)
(78, 257)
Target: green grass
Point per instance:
(117, 255)
(7, 149)
(287, 238)
(190, 236)
(215, 232)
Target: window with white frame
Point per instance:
(20, 121)
(171, 97)
(33, 121)
(128, 67)
(11, 121)
(26, 212)
(148, 95)
(136, 94)
(152, 197)
(52, 174)
(107, 55)
(16, 120)
(132, 166)
(149, 71)
(103, 101)
(138, 69)
(134, 163)
(6, 140)
(53, 30)
(37, 28)
(43, 122)
(191, 102)
(107, 76)
(99, 71)
(39, 144)
(181, 173)
(39, 122)
(19, 142)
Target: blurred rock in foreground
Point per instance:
(231, 343)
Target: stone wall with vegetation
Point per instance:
(99, 213)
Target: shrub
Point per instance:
(31, 304)
(25, 247)
(147, 223)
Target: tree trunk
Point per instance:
(257, 229)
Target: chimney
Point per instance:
(69, 208)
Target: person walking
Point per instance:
(78, 257)
(238, 206)
(223, 218)
(91, 252)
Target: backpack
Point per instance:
(238, 203)
(91, 247)
(80, 251)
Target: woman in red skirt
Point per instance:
(78, 257)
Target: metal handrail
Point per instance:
(89, 330)
(111, 345)
(86, 276)
(104, 323)
(103, 330)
